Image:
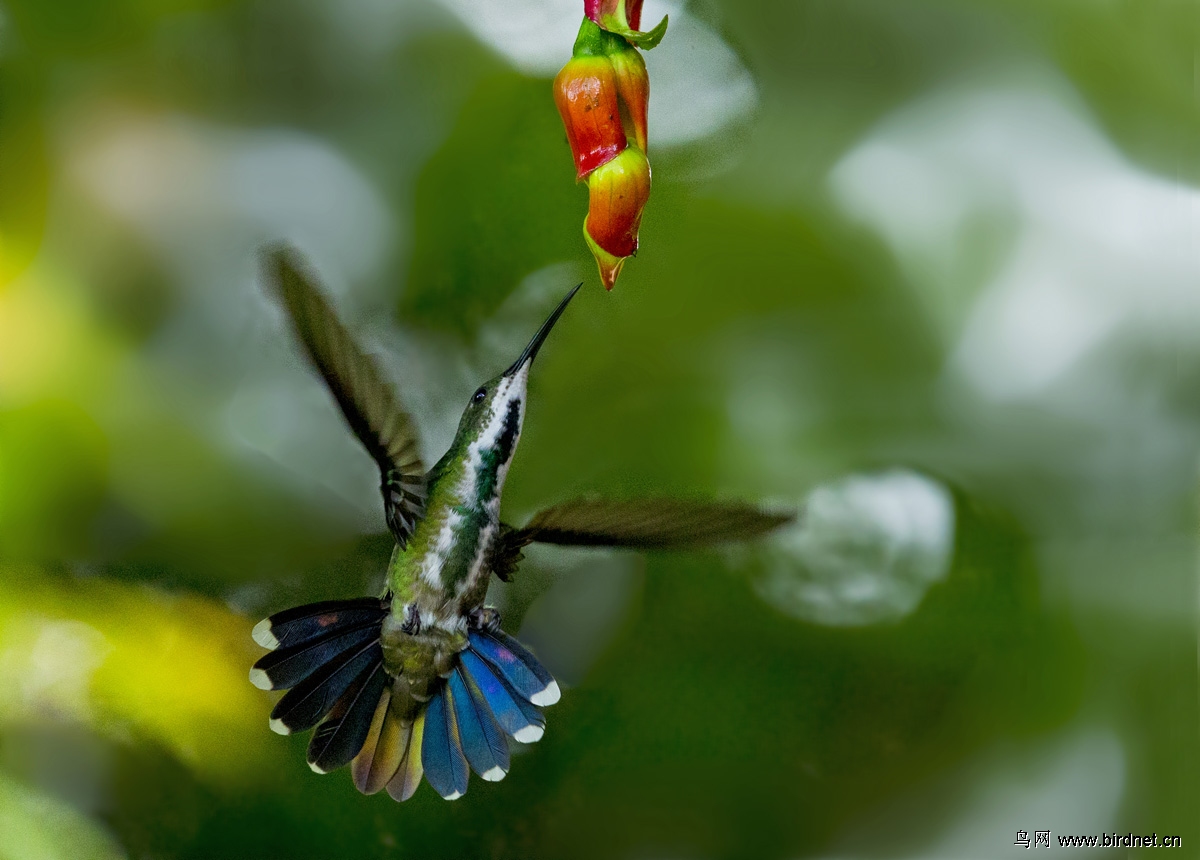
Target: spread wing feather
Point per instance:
(366, 400)
(650, 523)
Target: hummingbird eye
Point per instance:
(478, 396)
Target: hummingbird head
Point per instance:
(491, 423)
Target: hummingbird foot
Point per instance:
(484, 618)
(412, 621)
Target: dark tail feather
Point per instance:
(306, 704)
(329, 654)
(290, 665)
(441, 749)
(328, 646)
(294, 626)
(340, 737)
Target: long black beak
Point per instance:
(531, 351)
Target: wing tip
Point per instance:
(278, 252)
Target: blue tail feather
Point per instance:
(482, 740)
(459, 770)
(517, 665)
(536, 719)
(441, 750)
(504, 704)
(506, 664)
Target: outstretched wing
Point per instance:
(652, 523)
(367, 402)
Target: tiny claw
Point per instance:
(412, 621)
(486, 618)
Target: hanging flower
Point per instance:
(602, 94)
(617, 193)
(633, 88)
(586, 92)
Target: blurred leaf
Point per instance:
(1135, 63)
(96, 26)
(496, 202)
(38, 827)
(52, 470)
(24, 167)
(120, 659)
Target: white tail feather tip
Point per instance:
(259, 679)
(279, 728)
(529, 735)
(263, 636)
(548, 696)
(495, 774)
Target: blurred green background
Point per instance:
(928, 268)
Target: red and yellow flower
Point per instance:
(587, 97)
(602, 94)
(617, 193)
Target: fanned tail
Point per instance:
(328, 656)
(498, 687)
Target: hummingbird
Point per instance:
(422, 681)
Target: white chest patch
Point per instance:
(435, 560)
